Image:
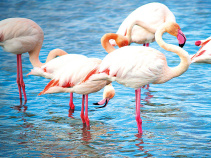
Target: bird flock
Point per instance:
(131, 66)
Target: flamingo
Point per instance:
(121, 41)
(77, 77)
(136, 66)
(150, 15)
(21, 35)
(48, 70)
(204, 53)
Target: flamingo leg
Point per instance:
(138, 118)
(146, 45)
(82, 109)
(22, 84)
(86, 112)
(18, 77)
(72, 106)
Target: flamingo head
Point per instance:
(108, 94)
(175, 30)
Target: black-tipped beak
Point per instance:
(181, 38)
(181, 45)
(106, 102)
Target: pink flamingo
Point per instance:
(48, 70)
(18, 36)
(77, 77)
(150, 16)
(121, 41)
(136, 66)
(204, 53)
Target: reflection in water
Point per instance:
(70, 113)
(19, 107)
(148, 97)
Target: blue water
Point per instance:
(176, 115)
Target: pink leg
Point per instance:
(82, 109)
(147, 45)
(72, 106)
(18, 76)
(22, 84)
(86, 112)
(138, 118)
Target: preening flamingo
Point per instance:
(150, 15)
(136, 66)
(18, 36)
(77, 77)
(121, 41)
(204, 53)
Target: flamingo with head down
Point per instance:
(21, 35)
(121, 41)
(204, 53)
(77, 77)
(136, 66)
(49, 69)
(150, 16)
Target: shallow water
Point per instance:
(176, 114)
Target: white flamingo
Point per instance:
(136, 66)
(77, 77)
(150, 16)
(21, 35)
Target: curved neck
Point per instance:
(54, 53)
(141, 24)
(105, 42)
(34, 56)
(120, 40)
(184, 57)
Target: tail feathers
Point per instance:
(52, 83)
(37, 71)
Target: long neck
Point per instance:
(141, 24)
(105, 42)
(54, 53)
(184, 57)
(34, 56)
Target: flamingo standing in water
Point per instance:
(136, 66)
(204, 53)
(49, 69)
(21, 35)
(77, 77)
(121, 41)
(149, 15)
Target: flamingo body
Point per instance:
(143, 65)
(152, 14)
(20, 35)
(204, 53)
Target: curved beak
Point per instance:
(104, 101)
(181, 38)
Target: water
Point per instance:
(176, 114)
